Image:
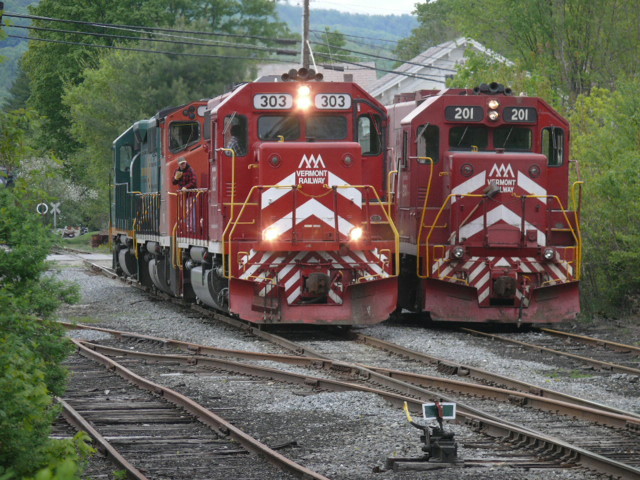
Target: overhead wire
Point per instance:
(372, 55)
(182, 54)
(357, 36)
(143, 29)
(176, 42)
(287, 41)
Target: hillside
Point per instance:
(364, 33)
(12, 49)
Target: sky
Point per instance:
(373, 7)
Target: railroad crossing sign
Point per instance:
(55, 210)
(42, 208)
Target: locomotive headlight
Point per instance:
(534, 171)
(271, 233)
(493, 115)
(303, 101)
(457, 252)
(494, 104)
(355, 234)
(275, 161)
(304, 91)
(549, 254)
(466, 170)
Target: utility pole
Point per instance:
(305, 35)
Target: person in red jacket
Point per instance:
(184, 176)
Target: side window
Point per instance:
(370, 134)
(236, 133)
(405, 149)
(183, 134)
(207, 125)
(125, 154)
(553, 145)
(428, 140)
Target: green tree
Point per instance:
(53, 66)
(32, 345)
(606, 141)
(576, 43)
(436, 25)
(128, 86)
(480, 68)
(331, 48)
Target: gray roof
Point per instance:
(434, 66)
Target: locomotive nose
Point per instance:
(505, 286)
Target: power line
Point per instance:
(381, 48)
(175, 42)
(356, 36)
(395, 72)
(112, 47)
(285, 41)
(389, 58)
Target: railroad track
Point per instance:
(481, 406)
(524, 438)
(598, 354)
(154, 432)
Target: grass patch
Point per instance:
(83, 242)
(573, 374)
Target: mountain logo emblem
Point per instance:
(501, 171)
(312, 162)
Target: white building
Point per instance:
(429, 70)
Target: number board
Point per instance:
(333, 101)
(464, 114)
(273, 101)
(520, 115)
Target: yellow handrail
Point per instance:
(424, 212)
(230, 228)
(575, 232)
(391, 194)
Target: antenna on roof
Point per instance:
(312, 59)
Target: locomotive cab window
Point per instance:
(182, 135)
(370, 134)
(467, 137)
(125, 155)
(513, 138)
(553, 145)
(428, 140)
(327, 127)
(279, 127)
(236, 134)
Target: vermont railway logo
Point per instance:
(311, 170)
(503, 177)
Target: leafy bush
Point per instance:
(32, 348)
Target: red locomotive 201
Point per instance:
(288, 219)
(487, 232)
